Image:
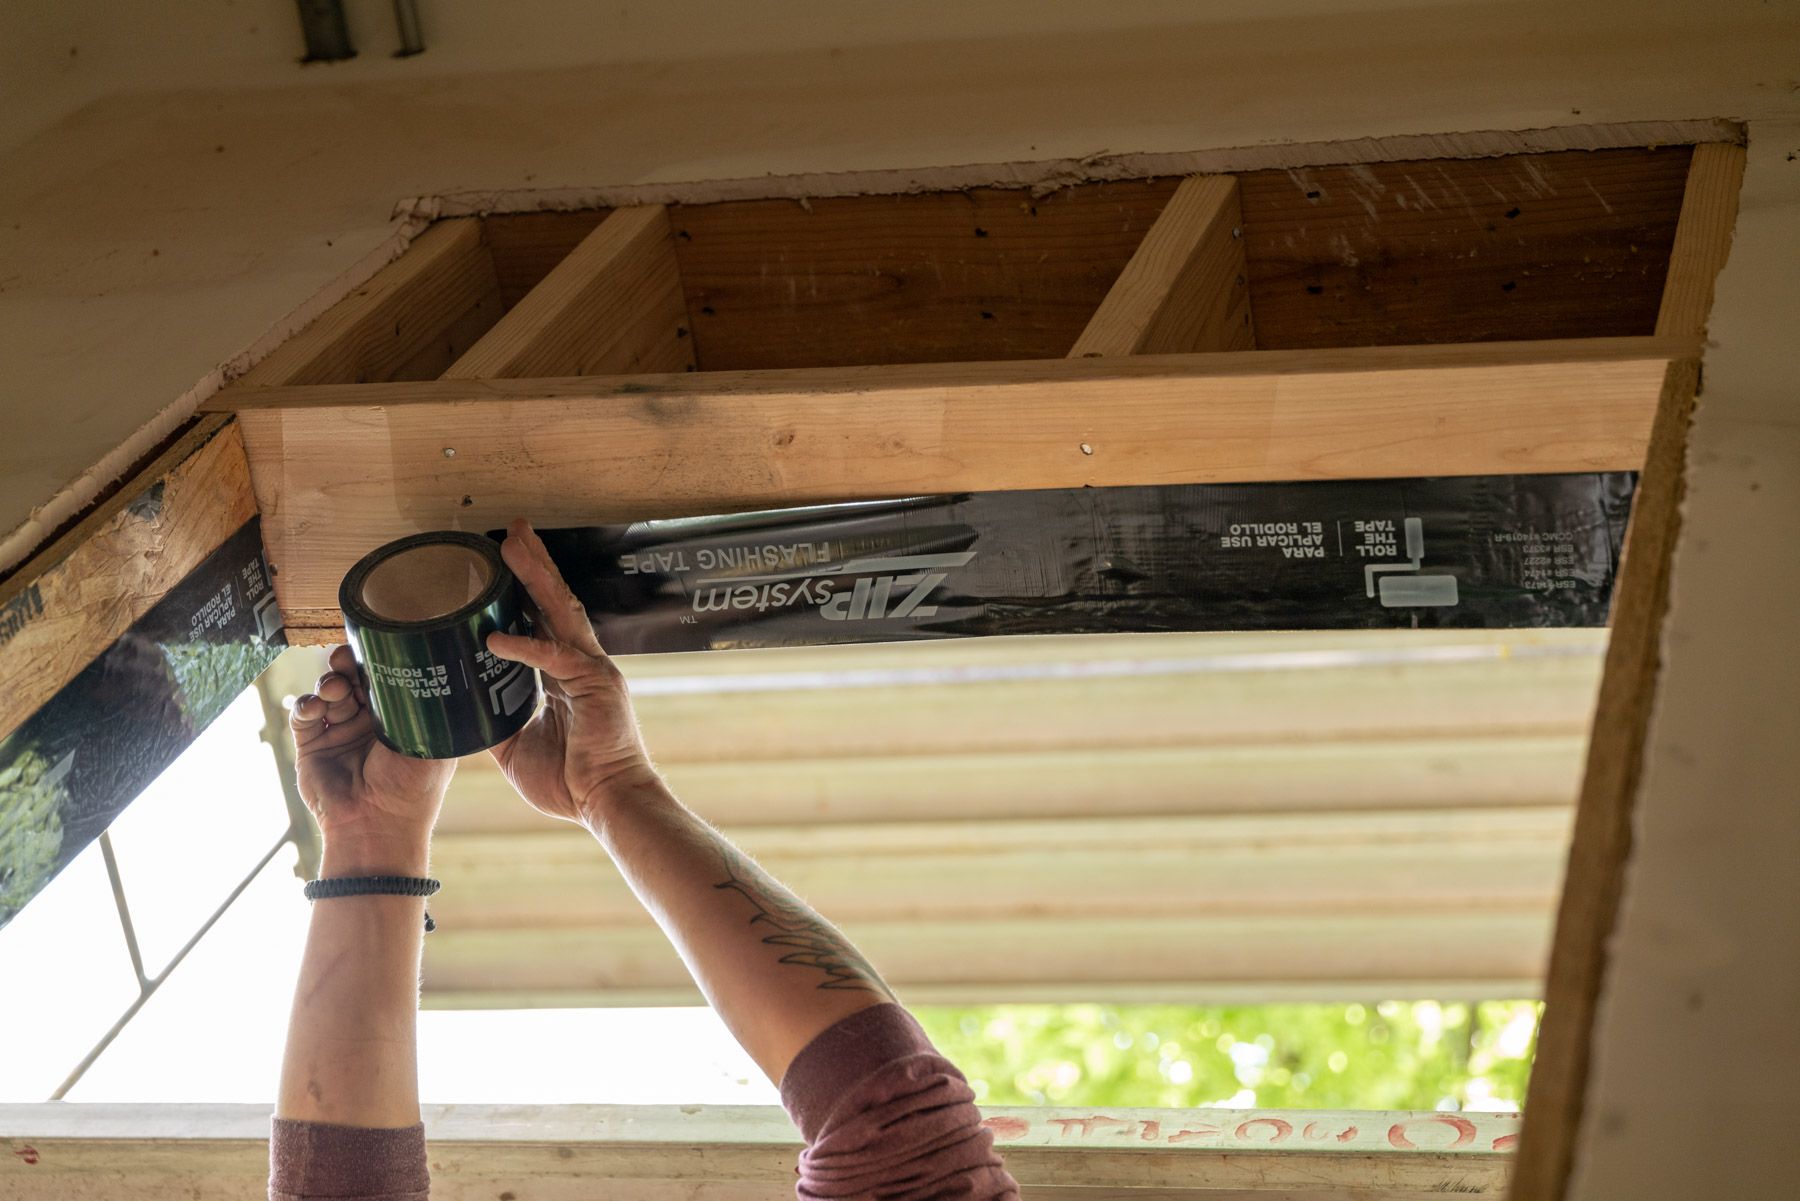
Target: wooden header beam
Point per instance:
(339, 470)
(747, 1153)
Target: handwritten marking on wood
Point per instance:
(1335, 1131)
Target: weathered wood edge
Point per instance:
(63, 607)
(1601, 847)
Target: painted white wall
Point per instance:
(1699, 1026)
(195, 187)
(57, 56)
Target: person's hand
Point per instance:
(583, 745)
(375, 806)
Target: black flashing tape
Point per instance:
(436, 691)
(75, 764)
(1499, 551)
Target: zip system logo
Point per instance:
(885, 588)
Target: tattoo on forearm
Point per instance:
(807, 939)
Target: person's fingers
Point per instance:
(339, 695)
(307, 719)
(343, 661)
(322, 722)
(564, 615)
(561, 613)
(557, 660)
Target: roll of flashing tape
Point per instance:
(418, 612)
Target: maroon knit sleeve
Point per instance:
(884, 1115)
(309, 1161)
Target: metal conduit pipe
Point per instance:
(326, 30)
(412, 34)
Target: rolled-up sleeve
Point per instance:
(884, 1115)
(309, 1161)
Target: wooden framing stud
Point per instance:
(1186, 289)
(612, 307)
(63, 607)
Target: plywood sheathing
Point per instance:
(1531, 246)
(982, 274)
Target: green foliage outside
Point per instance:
(31, 830)
(1386, 1055)
(211, 675)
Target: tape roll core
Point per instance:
(418, 612)
(426, 581)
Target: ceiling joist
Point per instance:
(1186, 288)
(612, 307)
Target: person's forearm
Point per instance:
(774, 970)
(352, 1057)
